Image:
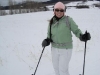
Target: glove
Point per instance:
(46, 42)
(85, 37)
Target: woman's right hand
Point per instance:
(46, 42)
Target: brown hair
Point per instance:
(51, 21)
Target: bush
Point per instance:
(97, 5)
(82, 6)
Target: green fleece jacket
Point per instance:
(61, 33)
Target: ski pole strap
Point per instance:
(50, 33)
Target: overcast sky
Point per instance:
(5, 2)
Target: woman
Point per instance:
(59, 34)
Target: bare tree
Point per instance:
(15, 11)
(10, 7)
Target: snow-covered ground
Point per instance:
(21, 36)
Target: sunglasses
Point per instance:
(61, 10)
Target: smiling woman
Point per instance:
(59, 9)
(60, 37)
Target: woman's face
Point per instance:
(59, 12)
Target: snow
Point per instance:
(21, 36)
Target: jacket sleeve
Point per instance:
(74, 28)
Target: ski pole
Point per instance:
(84, 56)
(39, 61)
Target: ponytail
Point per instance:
(51, 21)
